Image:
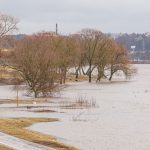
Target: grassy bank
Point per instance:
(16, 127)
(4, 148)
(24, 101)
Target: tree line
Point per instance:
(42, 60)
(140, 41)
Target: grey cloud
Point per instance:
(105, 15)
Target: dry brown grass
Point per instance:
(16, 127)
(5, 148)
(79, 103)
(71, 78)
(6, 72)
(23, 101)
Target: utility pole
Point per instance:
(143, 45)
(56, 28)
(17, 95)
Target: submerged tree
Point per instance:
(102, 58)
(76, 54)
(65, 53)
(34, 59)
(42, 60)
(119, 60)
(90, 40)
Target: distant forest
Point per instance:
(137, 44)
(140, 41)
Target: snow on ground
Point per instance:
(121, 122)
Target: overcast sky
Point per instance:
(72, 15)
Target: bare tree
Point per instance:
(8, 24)
(102, 57)
(62, 58)
(65, 51)
(73, 43)
(34, 59)
(119, 60)
(90, 40)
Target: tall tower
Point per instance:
(56, 28)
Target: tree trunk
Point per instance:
(98, 78)
(77, 74)
(111, 73)
(90, 74)
(17, 96)
(64, 75)
(90, 77)
(35, 94)
(110, 78)
(61, 75)
(64, 78)
(100, 74)
(61, 80)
